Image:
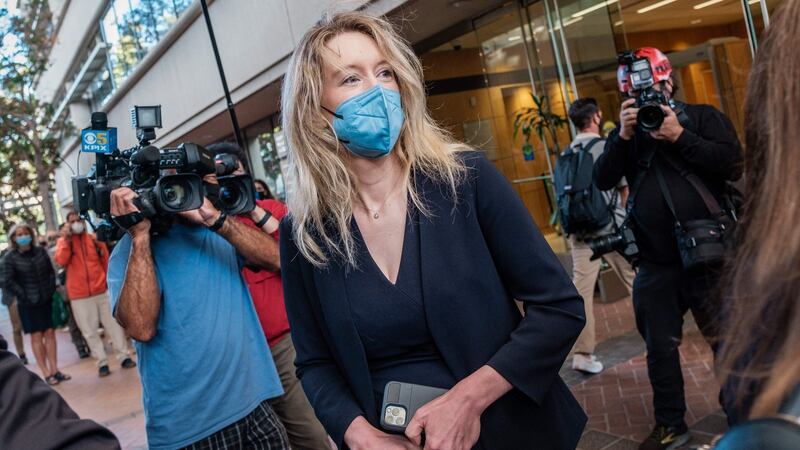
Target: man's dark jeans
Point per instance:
(662, 294)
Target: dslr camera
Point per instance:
(621, 240)
(648, 100)
(167, 180)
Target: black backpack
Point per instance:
(581, 206)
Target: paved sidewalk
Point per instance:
(114, 401)
(617, 401)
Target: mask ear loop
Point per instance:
(338, 116)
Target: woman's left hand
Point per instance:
(449, 422)
(453, 421)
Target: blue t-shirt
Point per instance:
(209, 364)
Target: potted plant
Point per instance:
(539, 119)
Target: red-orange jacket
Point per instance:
(86, 262)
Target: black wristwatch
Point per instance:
(218, 223)
(263, 221)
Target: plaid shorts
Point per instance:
(261, 430)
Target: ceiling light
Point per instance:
(654, 6)
(568, 23)
(583, 12)
(618, 23)
(514, 38)
(696, 21)
(753, 2)
(708, 3)
(538, 29)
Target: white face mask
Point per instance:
(77, 227)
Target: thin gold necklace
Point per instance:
(376, 212)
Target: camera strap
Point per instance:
(662, 184)
(644, 165)
(683, 117)
(711, 203)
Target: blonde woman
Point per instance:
(407, 251)
(30, 277)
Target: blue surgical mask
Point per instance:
(23, 240)
(369, 123)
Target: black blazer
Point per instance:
(475, 259)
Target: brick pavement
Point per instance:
(617, 401)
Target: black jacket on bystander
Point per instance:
(29, 276)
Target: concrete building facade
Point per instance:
(483, 59)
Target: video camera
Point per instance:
(167, 180)
(648, 100)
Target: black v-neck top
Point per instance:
(390, 318)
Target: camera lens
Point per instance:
(229, 196)
(650, 117)
(236, 194)
(605, 244)
(173, 195)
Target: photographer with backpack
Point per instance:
(588, 213)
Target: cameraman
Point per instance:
(588, 119)
(295, 412)
(205, 366)
(705, 143)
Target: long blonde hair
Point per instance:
(321, 189)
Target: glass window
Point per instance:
(478, 83)
(132, 27)
(100, 88)
(755, 11)
(706, 41)
(270, 145)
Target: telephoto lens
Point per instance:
(605, 244)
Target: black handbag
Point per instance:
(703, 242)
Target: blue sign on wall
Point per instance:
(99, 141)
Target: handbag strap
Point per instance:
(698, 185)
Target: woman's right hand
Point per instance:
(360, 435)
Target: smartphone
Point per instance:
(401, 401)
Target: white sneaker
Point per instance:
(586, 363)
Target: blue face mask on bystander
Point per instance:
(23, 240)
(368, 124)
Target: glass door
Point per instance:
(478, 83)
(707, 41)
